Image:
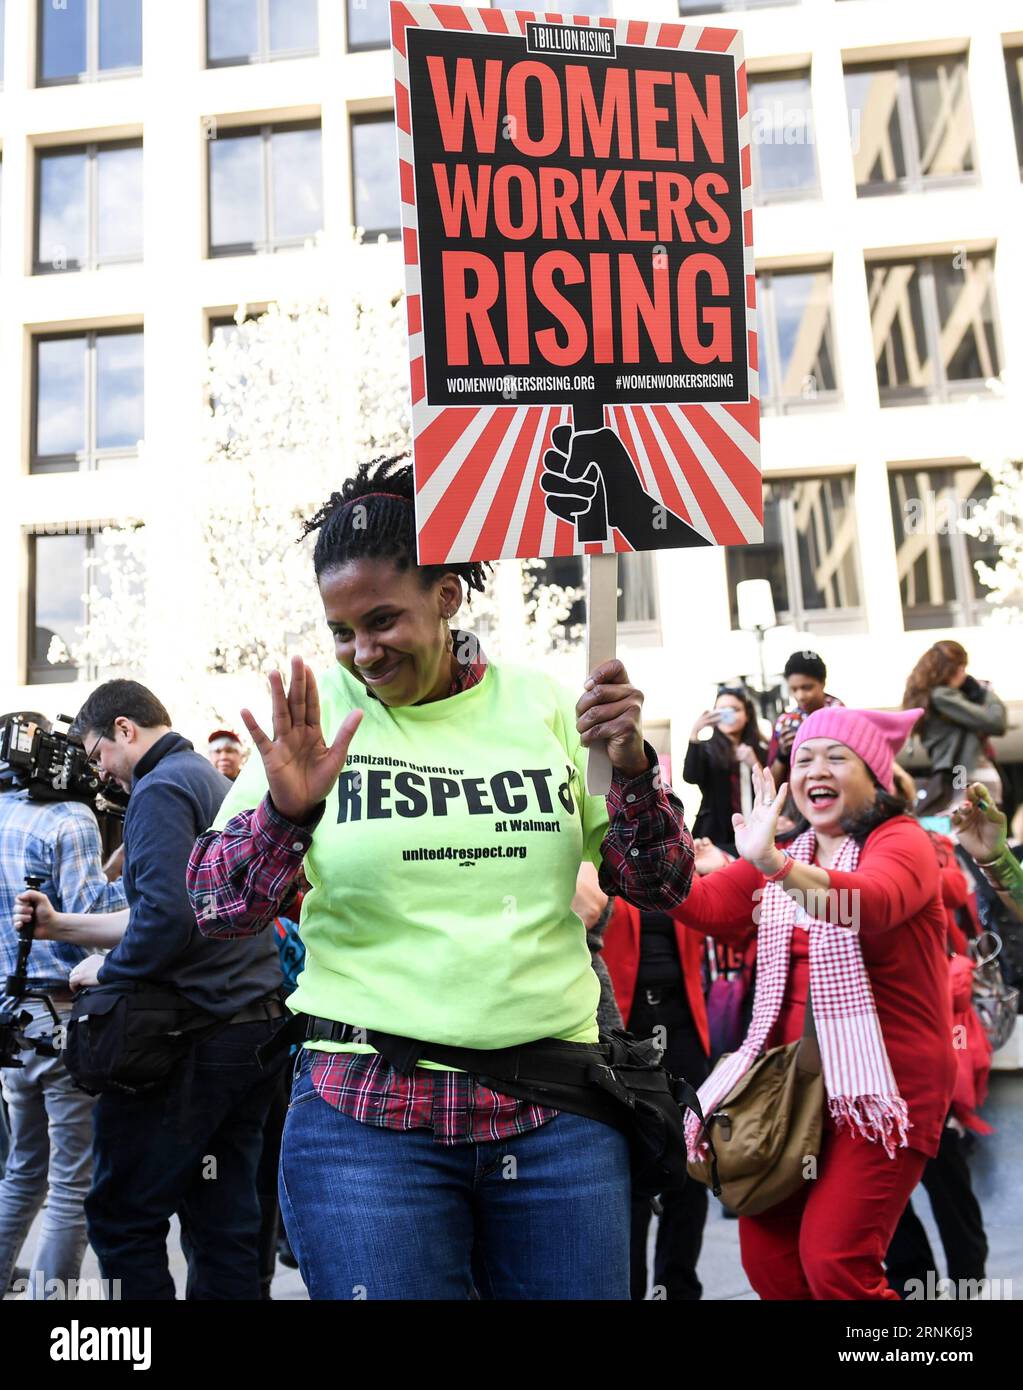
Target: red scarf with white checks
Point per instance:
(858, 1079)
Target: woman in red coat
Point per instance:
(851, 910)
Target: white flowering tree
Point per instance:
(115, 639)
(286, 422)
(274, 448)
(998, 517)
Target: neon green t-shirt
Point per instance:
(443, 869)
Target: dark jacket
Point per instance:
(175, 796)
(958, 723)
(714, 818)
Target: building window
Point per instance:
(255, 31)
(637, 588)
(910, 124)
(89, 206)
(369, 21)
(594, 8)
(80, 40)
(87, 400)
(797, 350)
(57, 580)
(1014, 72)
(369, 25)
(375, 197)
(266, 191)
(809, 552)
(784, 163)
(225, 327)
(66, 572)
(223, 332)
(933, 326)
(938, 583)
(689, 7)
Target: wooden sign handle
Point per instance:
(601, 600)
(601, 644)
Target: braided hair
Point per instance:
(373, 517)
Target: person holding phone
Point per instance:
(721, 765)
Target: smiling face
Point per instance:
(829, 783)
(389, 631)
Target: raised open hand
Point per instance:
(755, 836)
(300, 768)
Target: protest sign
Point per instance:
(577, 226)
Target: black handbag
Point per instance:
(127, 1038)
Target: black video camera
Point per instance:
(18, 987)
(52, 765)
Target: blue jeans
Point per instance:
(384, 1213)
(194, 1152)
(50, 1160)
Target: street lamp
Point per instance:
(756, 614)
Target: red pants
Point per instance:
(828, 1240)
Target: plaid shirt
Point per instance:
(243, 871)
(57, 841)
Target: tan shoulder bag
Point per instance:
(767, 1131)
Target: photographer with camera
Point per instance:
(169, 1028)
(48, 833)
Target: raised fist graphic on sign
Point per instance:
(590, 480)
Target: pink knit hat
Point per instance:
(875, 735)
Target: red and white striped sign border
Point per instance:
(477, 468)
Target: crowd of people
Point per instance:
(389, 978)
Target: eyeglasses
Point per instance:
(90, 757)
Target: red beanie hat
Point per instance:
(874, 735)
(219, 737)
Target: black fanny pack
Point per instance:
(619, 1081)
(129, 1037)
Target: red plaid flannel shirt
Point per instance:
(238, 876)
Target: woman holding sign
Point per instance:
(436, 801)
